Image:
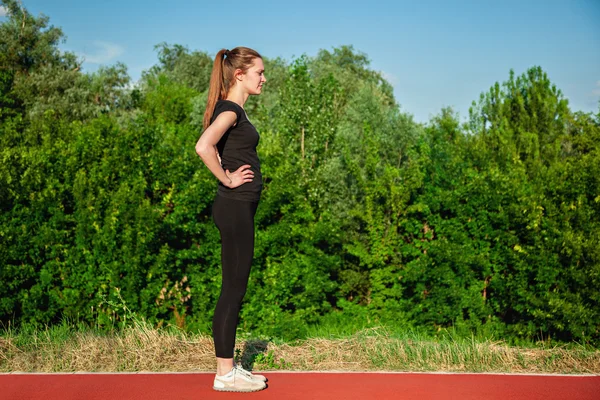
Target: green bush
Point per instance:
(367, 218)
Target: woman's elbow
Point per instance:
(202, 149)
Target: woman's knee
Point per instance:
(235, 291)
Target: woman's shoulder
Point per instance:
(228, 105)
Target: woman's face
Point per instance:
(254, 78)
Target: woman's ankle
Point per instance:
(224, 366)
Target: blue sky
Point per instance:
(435, 53)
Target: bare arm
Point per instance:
(206, 148)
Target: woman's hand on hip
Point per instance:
(242, 175)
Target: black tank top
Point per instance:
(236, 148)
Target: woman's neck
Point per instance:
(238, 97)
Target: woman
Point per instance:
(228, 148)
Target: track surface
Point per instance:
(292, 386)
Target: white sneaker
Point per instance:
(256, 377)
(234, 381)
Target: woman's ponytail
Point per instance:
(215, 87)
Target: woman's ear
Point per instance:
(238, 74)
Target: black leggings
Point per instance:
(235, 221)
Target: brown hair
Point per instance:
(221, 79)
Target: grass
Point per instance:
(140, 347)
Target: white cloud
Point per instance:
(106, 53)
(596, 91)
(391, 78)
(3, 11)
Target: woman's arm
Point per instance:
(206, 148)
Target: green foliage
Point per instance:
(190, 70)
(366, 217)
(269, 362)
(28, 43)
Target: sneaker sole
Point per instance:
(239, 390)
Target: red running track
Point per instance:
(292, 386)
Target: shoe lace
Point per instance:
(242, 371)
